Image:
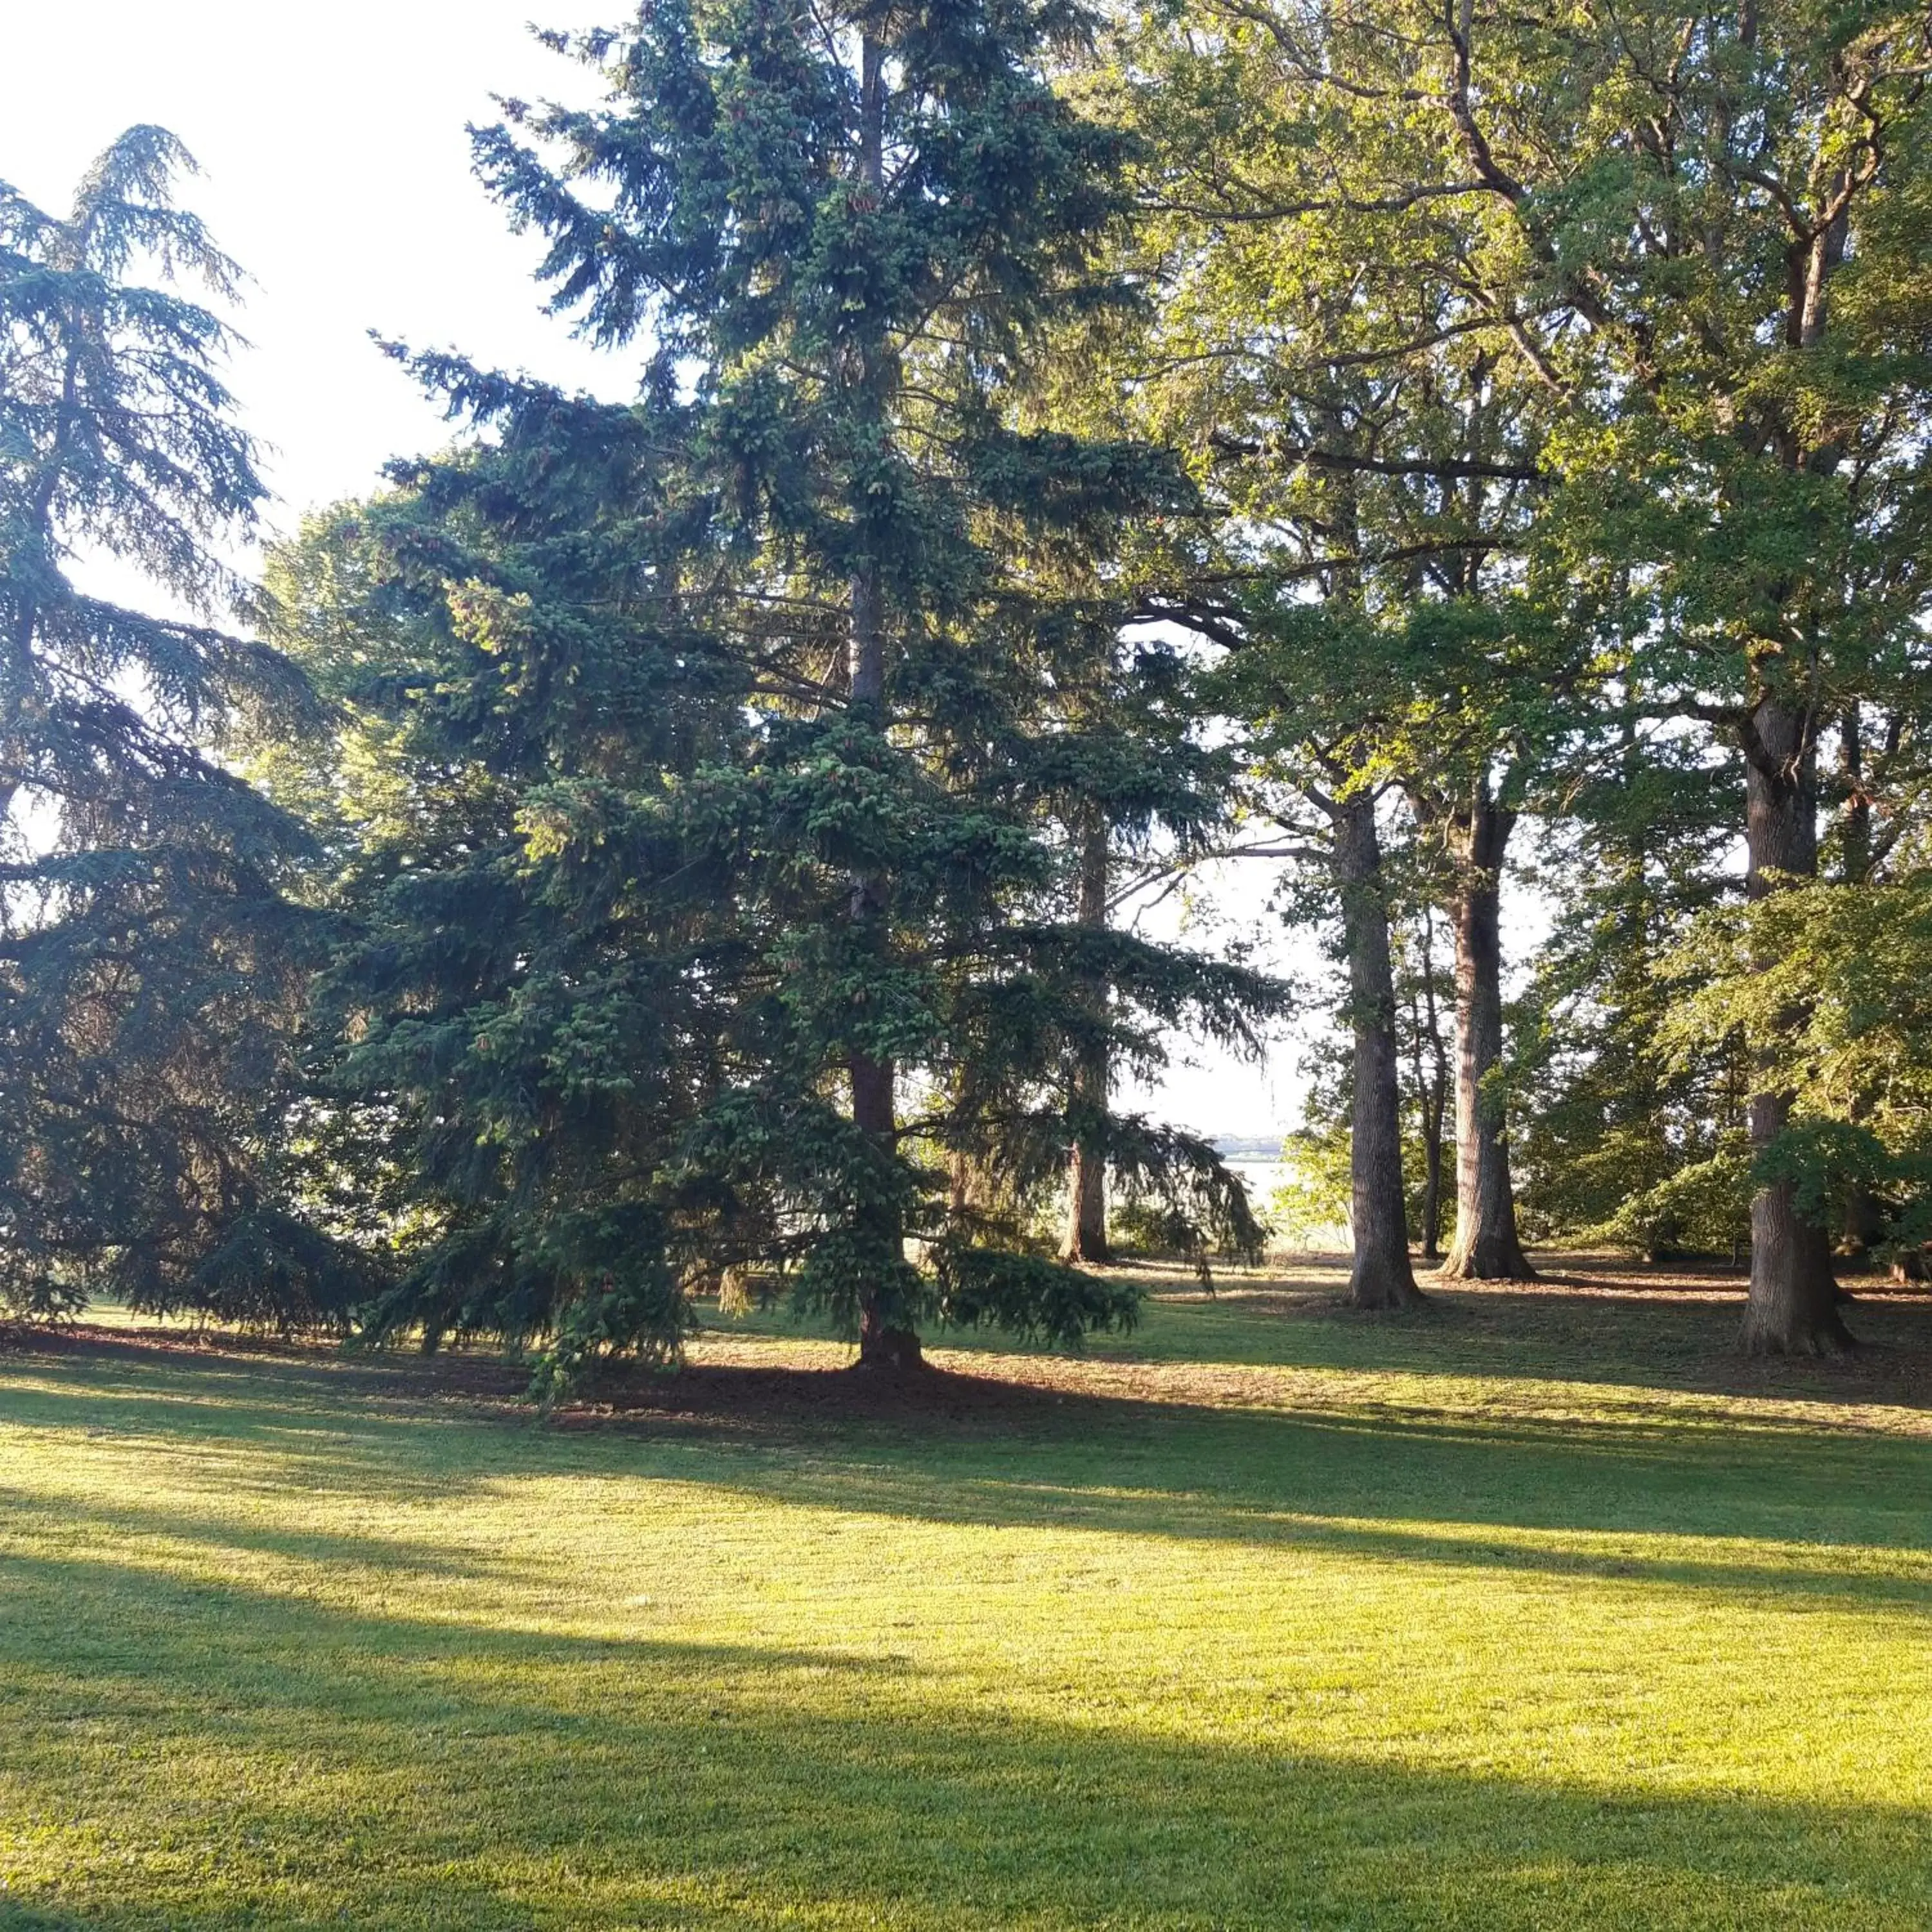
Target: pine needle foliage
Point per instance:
(150, 969)
(713, 755)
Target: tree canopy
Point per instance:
(680, 849)
(150, 965)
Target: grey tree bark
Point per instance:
(1793, 1307)
(1486, 1247)
(1381, 1277)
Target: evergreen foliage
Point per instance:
(711, 759)
(677, 847)
(1624, 1140)
(151, 971)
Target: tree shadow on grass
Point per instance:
(305, 1415)
(1853, 1528)
(1836, 1517)
(260, 1762)
(132, 1522)
(1596, 1326)
(1592, 1330)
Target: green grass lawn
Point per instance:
(1540, 1610)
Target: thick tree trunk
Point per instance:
(1486, 1247)
(1087, 1177)
(1381, 1277)
(883, 1344)
(1793, 1304)
(884, 1341)
(1087, 1208)
(1862, 1225)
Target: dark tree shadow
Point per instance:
(517, 1781)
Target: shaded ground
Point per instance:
(1590, 1319)
(1545, 1609)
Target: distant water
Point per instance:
(1262, 1173)
(1265, 1174)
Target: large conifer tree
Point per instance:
(149, 967)
(724, 919)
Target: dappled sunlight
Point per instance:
(1442, 1396)
(1577, 1344)
(632, 1039)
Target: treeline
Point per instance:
(680, 848)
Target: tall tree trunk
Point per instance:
(1087, 1177)
(885, 1341)
(1486, 1247)
(1381, 1277)
(1432, 1156)
(1434, 1092)
(885, 1338)
(1432, 1173)
(1862, 1225)
(1793, 1305)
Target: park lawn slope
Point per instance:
(1266, 1616)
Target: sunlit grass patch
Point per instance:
(1317, 1623)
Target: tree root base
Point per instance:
(892, 1351)
(1380, 1296)
(1484, 1267)
(1818, 1342)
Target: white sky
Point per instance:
(336, 170)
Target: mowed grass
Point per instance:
(1540, 1610)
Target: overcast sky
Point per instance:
(336, 170)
